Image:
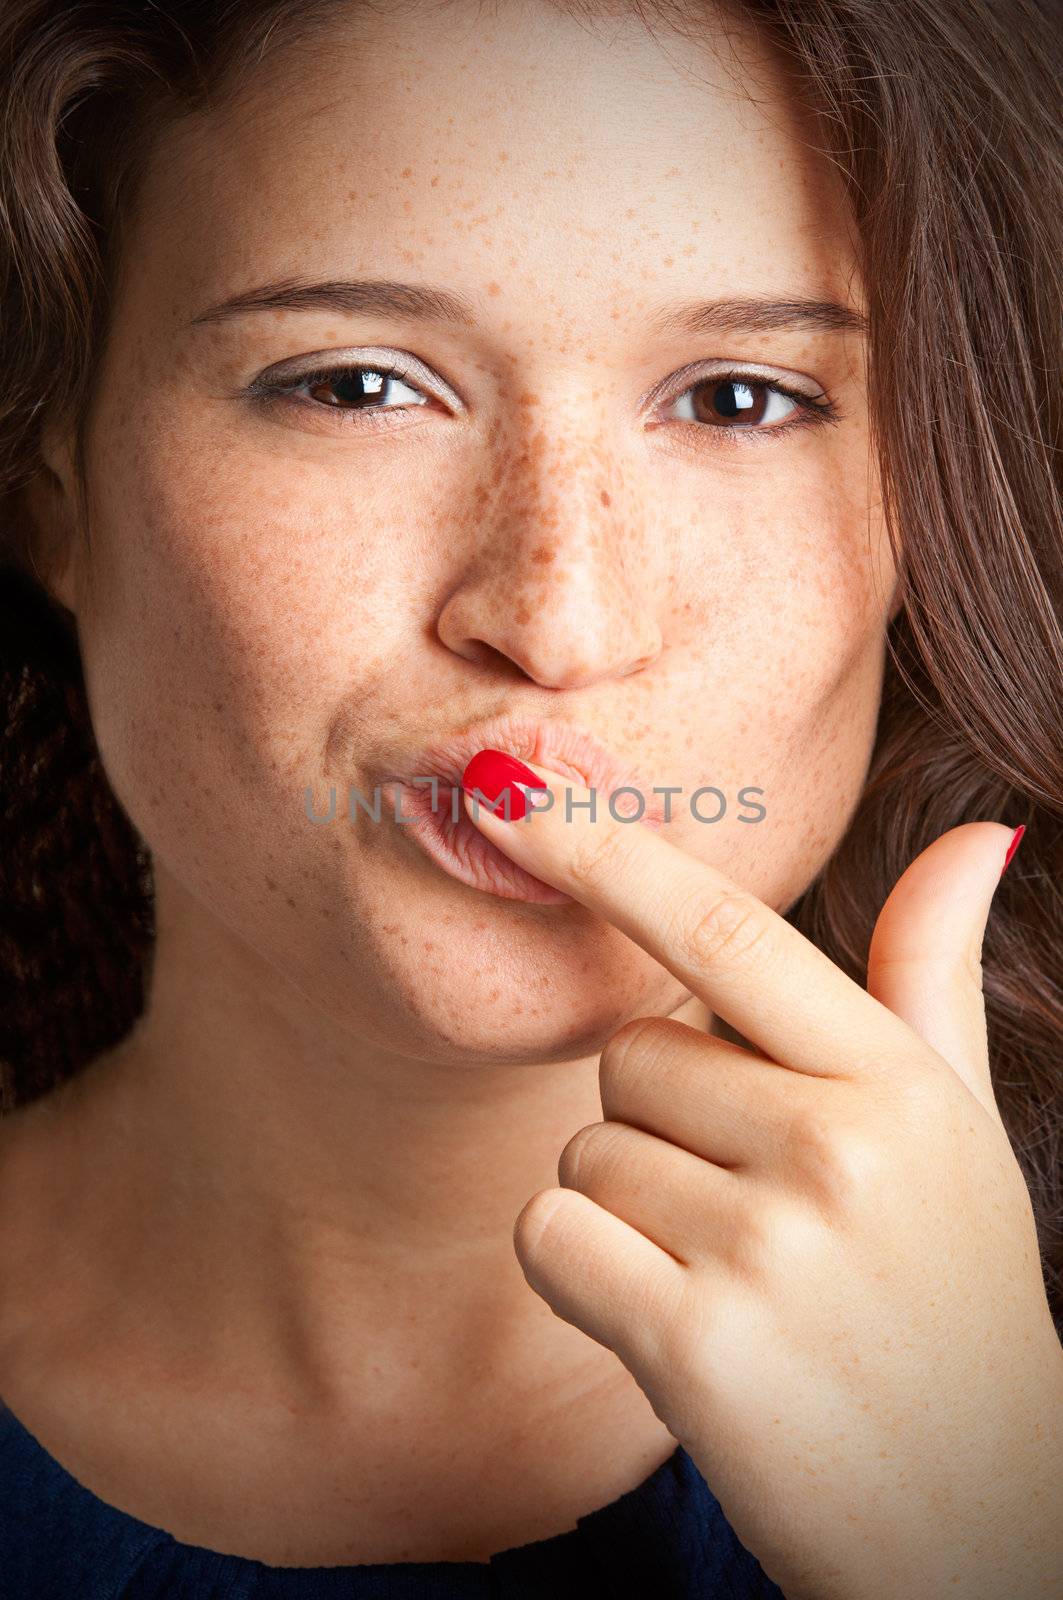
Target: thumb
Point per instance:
(925, 958)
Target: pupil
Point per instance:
(727, 401)
(352, 387)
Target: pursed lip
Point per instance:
(559, 746)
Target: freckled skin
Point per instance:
(281, 599)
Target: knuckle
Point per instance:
(855, 1169)
(585, 1154)
(630, 1052)
(773, 1236)
(537, 1221)
(730, 932)
(600, 856)
(809, 1138)
(842, 1164)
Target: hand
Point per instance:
(819, 1262)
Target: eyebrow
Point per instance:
(759, 316)
(412, 301)
(422, 302)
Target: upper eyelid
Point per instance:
(696, 371)
(362, 356)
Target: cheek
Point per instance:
(234, 601)
(786, 584)
(773, 681)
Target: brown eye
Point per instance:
(730, 402)
(359, 388)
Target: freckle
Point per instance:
(217, 705)
(503, 155)
(429, 944)
(527, 399)
(493, 288)
(290, 901)
(523, 615)
(271, 886)
(542, 555)
(606, 501)
(668, 260)
(434, 181)
(494, 994)
(407, 172)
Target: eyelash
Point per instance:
(809, 410)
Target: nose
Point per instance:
(559, 583)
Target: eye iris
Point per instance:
(351, 387)
(730, 400)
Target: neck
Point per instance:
(323, 1207)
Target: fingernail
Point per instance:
(1016, 839)
(496, 775)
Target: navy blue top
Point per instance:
(667, 1539)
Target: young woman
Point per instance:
(657, 1199)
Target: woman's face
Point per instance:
(560, 510)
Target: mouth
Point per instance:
(433, 814)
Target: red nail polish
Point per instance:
(495, 774)
(1013, 846)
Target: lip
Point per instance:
(454, 843)
(561, 747)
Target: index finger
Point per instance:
(724, 944)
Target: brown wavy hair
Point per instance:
(942, 117)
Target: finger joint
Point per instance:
(730, 933)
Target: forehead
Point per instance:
(475, 141)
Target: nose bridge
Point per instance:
(561, 499)
(559, 579)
